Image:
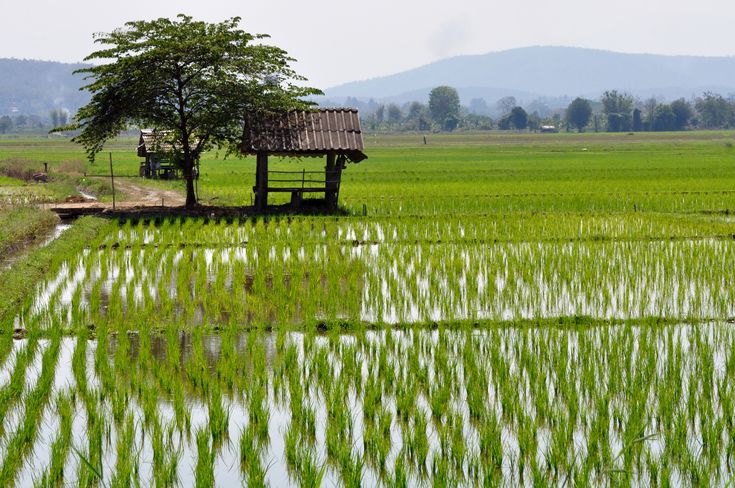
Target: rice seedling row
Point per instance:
(311, 271)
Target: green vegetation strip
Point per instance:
(20, 226)
(66, 178)
(20, 281)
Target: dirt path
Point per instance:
(136, 194)
(141, 195)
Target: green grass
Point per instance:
(7, 181)
(478, 173)
(64, 178)
(22, 225)
(615, 405)
(456, 229)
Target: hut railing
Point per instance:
(303, 179)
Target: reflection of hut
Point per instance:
(333, 133)
(159, 153)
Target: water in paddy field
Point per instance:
(159, 379)
(386, 283)
(508, 406)
(51, 237)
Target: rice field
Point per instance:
(536, 315)
(608, 405)
(307, 271)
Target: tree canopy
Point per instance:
(506, 104)
(579, 113)
(664, 118)
(444, 106)
(714, 110)
(519, 118)
(683, 113)
(199, 80)
(617, 108)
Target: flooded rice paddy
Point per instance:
(320, 352)
(278, 282)
(505, 406)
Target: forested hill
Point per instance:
(37, 87)
(554, 72)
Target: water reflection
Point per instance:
(477, 406)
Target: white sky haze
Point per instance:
(340, 41)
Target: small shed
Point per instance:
(160, 155)
(332, 133)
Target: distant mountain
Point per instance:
(555, 72)
(36, 87)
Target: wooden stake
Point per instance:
(112, 181)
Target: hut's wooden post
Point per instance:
(338, 178)
(330, 176)
(261, 181)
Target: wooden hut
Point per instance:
(332, 133)
(160, 155)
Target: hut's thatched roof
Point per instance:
(306, 133)
(153, 141)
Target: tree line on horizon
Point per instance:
(614, 111)
(19, 123)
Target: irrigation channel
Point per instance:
(308, 351)
(51, 237)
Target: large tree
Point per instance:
(506, 104)
(683, 113)
(200, 81)
(418, 117)
(394, 113)
(579, 113)
(519, 118)
(617, 108)
(714, 110)
(478, 106)
(444, 106)
(637, 120)
(6, 123)
(664, 119)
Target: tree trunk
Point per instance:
(191, 198)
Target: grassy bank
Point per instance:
(20, 226)
(18, 184)
(20, 281)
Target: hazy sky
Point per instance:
(336, 41)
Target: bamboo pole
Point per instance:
(112, 182)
